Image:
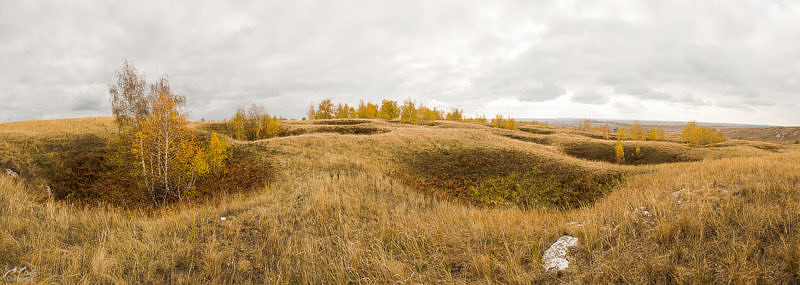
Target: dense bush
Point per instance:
(695, 135)
(500, 122)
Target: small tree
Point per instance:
(652, 135)
(271, 127)
(409, 113)
(238, 125)
(659, 134)
(586, 125)
(324, 110)
(367, 111)
(619, 152)
(129, 101)
(155, 144)
(217, 153)
(389, 110)
(169, 151)
(621, 134)
(498, 121)
(604, 131)
(637, 131)
(342, 111)
(687, 130)
(510, 124)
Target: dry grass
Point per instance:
(335, 214)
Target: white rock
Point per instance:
(223, 218)
(555, 257)
(11, 173)
(574, 224)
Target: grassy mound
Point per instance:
(296, 128)
(649, 152)
(506, 177)
(78, 168)
(333, 215)
(339, 122)
(536, 130)
(533, 139)
(344, 130)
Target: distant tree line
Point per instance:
(408, 112)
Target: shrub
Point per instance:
(619, 152)
(500, 122)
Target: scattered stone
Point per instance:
(12, 173)
(677, 194)
(555, 257)
(574, 224)
(641, 211)
(644, 212)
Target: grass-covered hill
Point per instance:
(375, 201)
(779, 135)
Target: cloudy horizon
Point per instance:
(710, 61)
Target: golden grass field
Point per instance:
(390, 205)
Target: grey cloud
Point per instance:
(87, 104)
(543, 92)
(531, 92)
(642, 92)
(590, 97)
(286, 55)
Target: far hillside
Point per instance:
(669, 126)
(780, 135)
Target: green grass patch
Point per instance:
(649, 153)
(501, 177)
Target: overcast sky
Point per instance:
(715, 61)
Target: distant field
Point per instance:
(375, 201)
